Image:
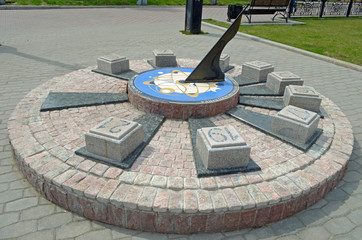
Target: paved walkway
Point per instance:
(38, 45)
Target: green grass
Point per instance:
(339, 38)
(119, 2)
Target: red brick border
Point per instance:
(214, 204)
(179, 110)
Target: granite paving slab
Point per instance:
(263, 122)
(64, 100)
(258, 90)
(244, 81)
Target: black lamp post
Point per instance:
(321, 10)
(193, 16)
(349, 8)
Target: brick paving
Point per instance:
(27, 65)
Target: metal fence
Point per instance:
(332, 8)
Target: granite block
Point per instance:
(164, 58)
(256, 70)
(113, 64)
(222, 147)
(224, 62)
(114, 138)
(302, 96)
(295, 123)
(277, 81)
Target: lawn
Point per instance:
(119, 2)
(339, 38)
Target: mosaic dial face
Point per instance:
(167, 84)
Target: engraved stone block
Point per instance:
(295, 123)
(256, 70)
(164, 58)
(113, 64)
(222, 147)
(277, 81)
(114, 138)
(224, 62)
(302, 96)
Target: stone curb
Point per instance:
(294, 49)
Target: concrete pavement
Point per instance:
(38, 45)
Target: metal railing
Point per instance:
(331, 8)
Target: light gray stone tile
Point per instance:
(104, 234)
(19, 184)
(54, 220)
(73, 229)
(356, 233)
(8, 218)
(356, 217)
(150, 236)
(206, 236)
(21, 204)
(37, 212)
(339, 225)
(39, 235)
(314, 232)
(18, 229)
(287, 226)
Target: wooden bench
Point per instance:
(268, 7)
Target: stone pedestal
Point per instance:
(164, 58)
(113, 64)
(222, 147)
(224, 62)
(256, 70)
(295, 123)
(114, 138)
(302, 96)
(277, 81)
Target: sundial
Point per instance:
(184, 93)
(163, 185)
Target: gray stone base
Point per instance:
(164, 58)
(150, 122)
(222, 147)
(302, 96)
(224, 62)
(198, 123)
(295, 123)
(114, 138)
(277, 81)
(113, 64)
(256, 70)
(153, 64)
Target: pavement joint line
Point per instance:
(293, 49)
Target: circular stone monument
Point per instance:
(161, 192)
(164, 91)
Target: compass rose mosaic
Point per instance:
(167, 84)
